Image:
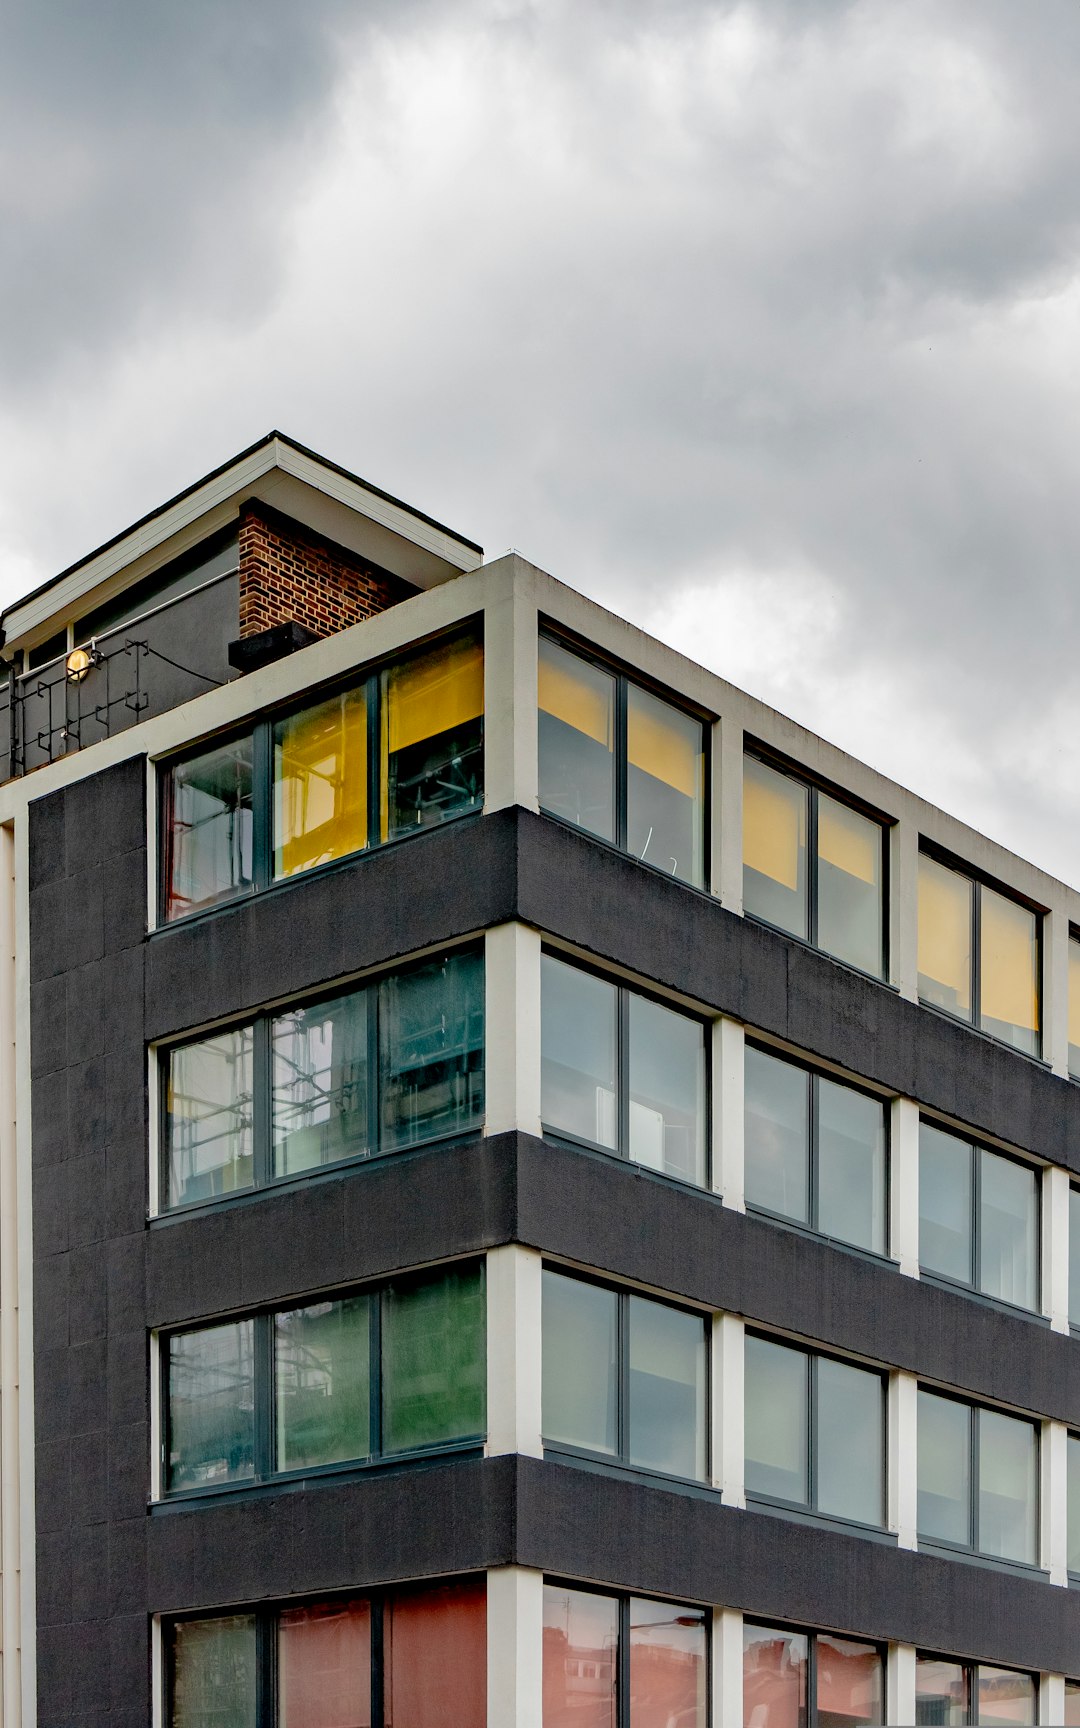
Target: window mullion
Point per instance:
(378, 1660)
(622, 1666)
(262, 804)
(265, 1667)
(811, 1681)
(262, 1084)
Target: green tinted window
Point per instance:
(433, 1361)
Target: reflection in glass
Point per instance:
(945, 915)
(577, 1050)
(850, 1683)
(320, 1081)
(433, 737)
(666, 1393)
(208, 1127)
(667, 1090)
(211, 1406)
(1073, 1504)
(580, 1364)
(435, 1657)
(1008, 1229)
(213, 1673)
(946, 1173)
(324, 1666)
(1072, 1704)
(850, 1166)
(668, 1667)
(1008, 1468)
(944, 1470)
(1005, 1697)
(581, 1644)
(1008, 971)
(665, 761)
(320, 783)
(774, 1677)
(849, 885)
(777, 1105)
(941, 1693)
(1074, 1007)
(577, 740)
(431, 1050)
(321, 1371)
(849, 1442)
(208, 855)
(433, 1361)
(776, 1415)
(775, 811)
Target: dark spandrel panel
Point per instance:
(209, 829)
(666, 1065)
(213, 1673)
(944, 1470)
(434, 1362)
(775, 818)
(211, 1424)
(666, 1394)
(577, 1049)
(433, 737)
(431, 1050)
(577, 740)
(208, 1128)
(776, 1395)
(322, 1383)
(319, 1058)
(777, 1155)
(851, 1197)
(665, 785)
(849, 1442)
(580, 1364)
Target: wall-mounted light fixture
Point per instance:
(79, 663)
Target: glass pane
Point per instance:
(581, 1642)
(320, 1103)
(580, 1366)
(433, 1361)
(849, 897)
(777, 1106)
(577, 1053)
(665, 780)
(577, 740)
(945, 900)
(324, 1666)
(1005, 1697)
(667, 1090)
(208, 829)
(208, 1127)
(851, 1166)
(667, 1666)
(435, 1657)
(1008, 1229)
(211, 1415)
(774, 1677)
(321, 1366)
(1074, 1256)
(776, 1395)
(850, 1442)
(944, 1469)
(667, 1388)
(946, 1173)
(1008, 1486)
(1074, 1007)
(850, 1683)
(1073, 1504)
(320, 783)
(433, 737)
(1009, 972)
(1072, 1704)
(431, 1050)
(941, 1694)
(212, 1665)
(774, 847)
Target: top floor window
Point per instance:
(400, 752)
(978, 955)
(621, 763)
(813, 866)
(1074, 1005)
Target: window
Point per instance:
(951, 1694)
(1074, 1255)
(621, 763)
(978, 955)
(978, 1218)
(378, 1067)
(622, 1662)
(624, 1377)
(1074, 1005)
(400, 752)
(815, 1151)
(810, 1679)
(813, 866)
(1072, 1704)
(978, 1479)
(1073, 1504)
(376, 1374)
(815, 1432)
(622, 1072)
(417, 1656)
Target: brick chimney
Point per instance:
(290, 575)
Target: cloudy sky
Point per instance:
(758, 322)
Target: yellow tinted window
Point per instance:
(432, 761)
(774, 847)
(664, 785)
(1074, 1010)
(1009, 994)
(944, 937)
(320, 783)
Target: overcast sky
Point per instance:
(758, 322)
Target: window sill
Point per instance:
(819, 1520)
(989, 1562)
(299, 1481)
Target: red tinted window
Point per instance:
(435, 1657)
(324, 1666)
(581, 1640)
(667, 1665)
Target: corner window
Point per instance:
(978, 1218)
(621, 763)
(815, 1151)
(810, 1679)
(978, 955)
(813, 866)
(957, 1694)
(978, 1479)
(622, 1661)
(398, 753)
(624, 1377)
(622, 1072)
(815, 1432)
(378, 1374)
(384, 1066)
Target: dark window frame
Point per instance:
(971, 1670)
(942, 1543)
(812, 1634)
(975, 1147)
(622, 1599)
(1073, 936)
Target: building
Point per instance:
(532, 1190)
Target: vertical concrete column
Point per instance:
(904, 909)
(510, 731)
(727, 1669)
(728, 1058)
(1055, 985)
(903, 1478)
(727, 814)
(1053, 1501)
(728, 1441)
(512, 1019)
(1055, 1247)
(1051, 1700)
(515, 1647)
(904, 1185)
(900, 1684)
(513, 1283)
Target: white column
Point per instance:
(727, 1669)
(727, 812)
(1055, 1247)
(729, 1058)
(904, 1185)
(515, 1647)
(510, 729)
(512, 1016)
(514, 1351)
(904, 909)
(728, 1438)
(1052, 1700)
(900, 1685)
(903, 1481)
(1053, 1501)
